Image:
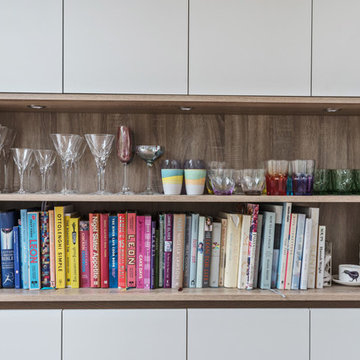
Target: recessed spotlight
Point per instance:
(332, 110)
(36, 107)
(185, 108)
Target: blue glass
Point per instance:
(302, 184)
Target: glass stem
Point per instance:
(6, 179)
(66, 176)
(125, 186)
(21, 175)
(102, 178)
(43, 181)
(149, 184)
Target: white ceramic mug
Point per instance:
(349, 273)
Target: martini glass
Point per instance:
(45, 159)
(100, 146)
(75, 172)
(125, 152)
(149, 153)
(9, 140)
(22, 158)
(28, 173)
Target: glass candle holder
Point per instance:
(321, 181)
(342, 181)
(276, 176)
(302, 176)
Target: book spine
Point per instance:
(207, 251)
(290, 253)
(153, 255)
(168, 244)
(67, 249)
(161, 249)
(178, 251)
(200, 253)
(45, 249)
(140, 251)
(17, 264)
(243, 252)
(187, 251)
(313, 248)
(259, 239)
(222, 251)
(131, 250)
(52, 249)
(147, 252)
(60, 247)
(34, 247)
(300, 229)
(84, 254)
(94, 236)
(306, 255)
(7, 258)
(113, 251)
(193, 250)
(24, 250)
(104, 250)
(157, 258)
(321, 258)
(253, 210)
(122, 249)
(215, 255)
(74, 253)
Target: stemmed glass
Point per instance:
(9, 140)
(125, 152)
(45, 159)
(100, 146)
(28, 173)
(75, 173)
(149, 153)
(22, 158)
(67, 147)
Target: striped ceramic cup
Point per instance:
(195, 181)
(172, 180)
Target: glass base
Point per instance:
(21, 192)
(5, 191)
(149, 192)
(127, 192)
(67, 192)
(102, 193)
(45, 192)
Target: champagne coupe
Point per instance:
(45, 159)
(125, 152)
(22, 158)
(67, 147)
(9, 140)
(100, 146)
(149, 153)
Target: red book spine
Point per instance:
(94, 232)
(84, 254)
(122, 251)
(168, 243)
(104, 250)
(140, 228)
(131, 250)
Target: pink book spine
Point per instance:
(131, 250)
(140, 228)
(104, 250)
(94, 230)
(52, 249)
(147, 252)
(122, 250)
(84, 255)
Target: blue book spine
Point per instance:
(8, 219)
(193, 250)
(113, 251)
(24, 249)
(34, 246)
(7, 258)
(153, 253)
(17, 265)
(299, 241)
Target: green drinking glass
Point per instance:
(356, 181)
(343, 181)
(322, 182)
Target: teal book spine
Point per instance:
(34, 246)
(193, 250)
(24, 249)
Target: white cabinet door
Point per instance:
(122, 46)
(124, 334)
(31, 46)
(336, 49)
(335, 334)
(255, 334)
(30, 334)
(250, 47)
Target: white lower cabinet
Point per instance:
(136, 334)
(256, 334)
(30, 334)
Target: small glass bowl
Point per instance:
(221, 181)
(253, 181)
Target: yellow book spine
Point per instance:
(60, 247)
(74, 252)
(67, 247)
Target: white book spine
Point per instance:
(243, 254)
(300, 232)
(200, 253)
(215, 255)
(258, 247)
(291, 250)
(306, 255)
(313, 248)
(321, 258)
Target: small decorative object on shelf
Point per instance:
(22, 158)
(221, 181)
(276, 176)
(252, 181)
(322, 181)
(342, 181)
(302, 176)
(195, 175)
(213, 165)
(172, 176)
(45, 160)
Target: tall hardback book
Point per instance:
(153, 255)
(122, 250)
(187, 250)
(321, 258)
(200, 253)
(74, 253)
(161, 249)
(243, 251)
(34, 250)
(193, 250)
(147, 252)
(215, 254)
(267, 246)
(168, 247)
(257, 252)
(104, 250)
(113, 251)
(299, 242)
(84, 254)
(45, 249)
(290, 252)
(253, 211)
(306, 255)
(222, 251)
(52, 249)
(17, 261)
(94, 240)
(131, 250)
(178, 251)
(207, 251)
(157, 257)
(67, 217)
(7, 258)
(24, 250)
(140, 251)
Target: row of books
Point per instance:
(267, 246)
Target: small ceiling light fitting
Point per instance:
(332, 110)
(185, 108)
(36, 107)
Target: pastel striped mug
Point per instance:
(172, 180)
(195, 181)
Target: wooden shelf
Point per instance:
(172, 103)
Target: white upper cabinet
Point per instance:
(250, 47)
(122, 46)
(336, 48)
(31, 46)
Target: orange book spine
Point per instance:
(94, 232)
(131, 250)
(122, 234)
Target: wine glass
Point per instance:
(28, 173)
(22, 158)
(149, 153)
(9, 140)
(125, 152)
(45, 159)
(67, 147)
(75, 173)
(100, 146)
